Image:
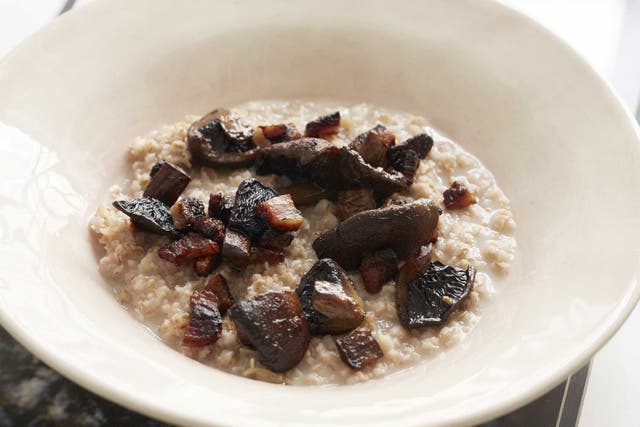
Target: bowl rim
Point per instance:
(581, 355)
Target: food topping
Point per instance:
(217, 284)
(205, 265)
(148, 214)
(434, 295)
(191, 246)
(329, 300)
(209, 227)
(306, 193)
(273, 239)
(373, 145)
(280, 213)
(351, 202)
(395, 227)
(377, 269)
(358, 348)
(220, 206)
(281, 132)
(205, 321)
(236, 244)
(244, 215)
(274, 325)
(458, 197)
(323, 126)
(185, 211)
(167, 183)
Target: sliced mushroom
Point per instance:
(244, 215)
(401, 228)
(280, 213)
(351, 202)
(205, 321)
(282, 132)
(329, 301)
(273, 239)
(294, 158)
(421, 144)
(209, 227)
(373, 144)
(192, 246)
(185, 211)
(358, 348)
(167, 183)
(236, 244)
(221, 139)
(306, 193)
(377, 269)
(274, 325)
(415, 264)
(148, 214)
(433, 296)
(217, 284)
(323, 126)
(405, 160)
(220, 206)
(458, 197)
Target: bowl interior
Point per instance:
(559, 144)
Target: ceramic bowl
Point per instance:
(559, 142)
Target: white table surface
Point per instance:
(607, 34)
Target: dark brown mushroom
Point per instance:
(373, 144)
(217, 284)
(280, 213)
(184, 211)
(274, 325)
(236, 244)
(220, 206)
(191, 246)
(433, 296)
(209, 227)
(351, 202)
(401, 228)
(167, 183)
(273, 239)
(358, 348)
(306, 193)
(294, 158)
(329, 300)
(282, 132)
(148, 214)
(377, 269)
(323, 126)
(458, 197)
(244, 215)
(421, 144)
(205, 321)
(415, 264)
(404, 160)
(221, 139)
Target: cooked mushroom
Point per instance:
(280, 213)
(167, 183)
(274, 325)
(221, 139)
(282, 132)
(218, 285)
(306, 193)
(273, 239)
(244, 216)
(358, 348)
(220, 206)
(401, 228)
(405, 160)
(433, 296)
(209, 227)
(351, 202)
(329, 301)
(323, 126)
(330, 167)
(236, 244)
(421, 144)
(192, 246)
(205, 321)
(377, 269)
(458, 197)
(184, 211)
(257, 256)
(205, 265)
(148, 214)
(372, 145)
(415, 264)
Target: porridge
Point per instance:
(473, 241)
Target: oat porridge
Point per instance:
(395, 223)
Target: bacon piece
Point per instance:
(205, 321)
(323, 126)
(220, 206)
(358, 348)
(458, 197)
(209, 227)
(184, 211)
(205, 265)
(191, 246)
(258, 255)
(281, 132)
(280, 213)
(167, 182)
(373, 144)
(218, 285)
(377, 269)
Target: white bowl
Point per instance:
(558, 141)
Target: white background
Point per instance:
(607, 34)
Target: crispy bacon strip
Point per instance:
(205, 321)
(191, 246)
(209, 227)
(280, 213)
(358, 348)
(282, 132)
(184, 211)
(377, 269)
(323, 126)
(218, 285)
(458, 197)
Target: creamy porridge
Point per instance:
(157, 292)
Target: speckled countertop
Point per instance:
(33, 395)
